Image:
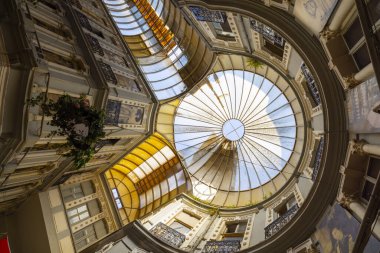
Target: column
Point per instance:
(362, 147)
(333, 28)
(362, 75)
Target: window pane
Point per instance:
(374, 168)
(180, 227)
(72, 212)
(231, 228)
(361, 57)
(74, 219)
(353, 34)
(82, 208)
(241, 228)
(115, 194)
(367, 191)
(84, 216)
(374, 9)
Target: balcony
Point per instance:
(268, 33)
(222, 246)
(168, 235)
(311, 84)
(318, 157)
(203, 14)
(280, 222)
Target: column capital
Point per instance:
(346, 200)
(312, 249)
(358, 147)
(328, 34)
(350, 82)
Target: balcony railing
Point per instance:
(108, 72)
(222, 246)
(203, 14)
(95, 45)
(280, 222)
(168, 235)
(318, 157)
(268, 33)
(311, 84)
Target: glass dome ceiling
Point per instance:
(240, 135)
(235, 120)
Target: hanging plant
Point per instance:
(253, 63)
(81, 123)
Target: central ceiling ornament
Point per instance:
(233, 129)
(235, 132)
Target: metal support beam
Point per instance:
(373, 43)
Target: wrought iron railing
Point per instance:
(280, 222)
(221, 246)
(95, 45)
(108, 72)
(311, 84)
(267, 33)
(318, 157)
(203, 14)
(83, 20)
(168, 235)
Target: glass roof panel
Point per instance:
(146, 174)
(235, 132)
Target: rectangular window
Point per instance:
(78, 214)
(72, 193)
(84, 237)
(361, 56)
(235, 230)
(283, 208)
(180, 227)
(185, 221)
(370, 177)
(356, 44)
(353, 34)
(116, 196)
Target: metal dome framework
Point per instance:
(167, 56)
(239, 134)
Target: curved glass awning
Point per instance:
(170, 63)
(147, 177)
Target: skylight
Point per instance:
(235, 132)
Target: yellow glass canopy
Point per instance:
(147, 177)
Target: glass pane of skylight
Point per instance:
(235, 132)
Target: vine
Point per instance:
(255, 64)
